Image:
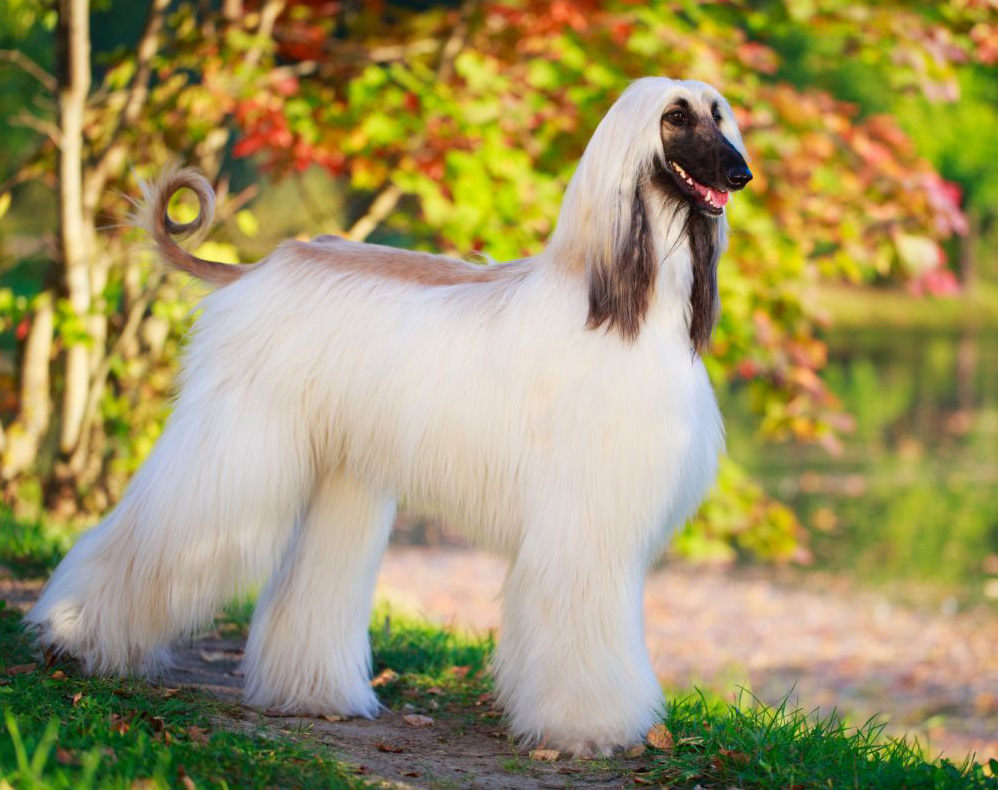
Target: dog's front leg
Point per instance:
(571, 665)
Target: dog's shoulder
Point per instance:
(378, 261)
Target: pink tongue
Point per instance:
(720, 198)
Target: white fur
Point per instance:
(312, 398)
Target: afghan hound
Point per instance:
(555, 407)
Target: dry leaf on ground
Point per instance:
(391, 748)
(385, 676)
(20, 669)
(659, 737)
(197, 735)
(545, 755)
(636, 750)
(416, 720)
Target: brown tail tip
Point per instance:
(153, 216)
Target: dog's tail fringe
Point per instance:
(153, 216)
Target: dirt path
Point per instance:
(454, 751)
(929, 674)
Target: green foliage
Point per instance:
(29, 548)
(748, 744)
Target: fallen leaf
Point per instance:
(693, 740)
(334, 717)
(58, 675)
(545, 755)
(734, 756)
(118, 724)
(637, 750)
(65, 757)
(77, 697)
(660, 737)
(416, 720)
(197, 735)
(157, 723)
(391, 748)
(384, 677)
(212, 656)
(20, 669)
(459, 672)
(414, 774)
(168, 692)
(237, 673)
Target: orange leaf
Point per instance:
(660, 737)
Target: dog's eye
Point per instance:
(676, 117)
(717, 118)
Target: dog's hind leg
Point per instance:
(202, 519)
(308, 648)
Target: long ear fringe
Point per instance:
(620, 287)
(706, 238)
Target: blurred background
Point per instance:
(856, 360)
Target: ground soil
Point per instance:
(929, 673)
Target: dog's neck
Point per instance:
(688, 245)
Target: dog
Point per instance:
(555, 407)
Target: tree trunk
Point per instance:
(25, 435)
(73, 58)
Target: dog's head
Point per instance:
(661, 165)
(700, 163)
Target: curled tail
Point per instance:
(153, 216)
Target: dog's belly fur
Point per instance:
(476, 409)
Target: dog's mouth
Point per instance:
(708, 199)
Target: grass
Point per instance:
(64, 731)
(61, 730)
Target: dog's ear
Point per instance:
(707, 238)
(621, 277)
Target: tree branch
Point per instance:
(382, 206)
(47, 128)
(29, 67)
(99, 378)
(265, 30)
(111, 157)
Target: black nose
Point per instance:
(739, 176)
